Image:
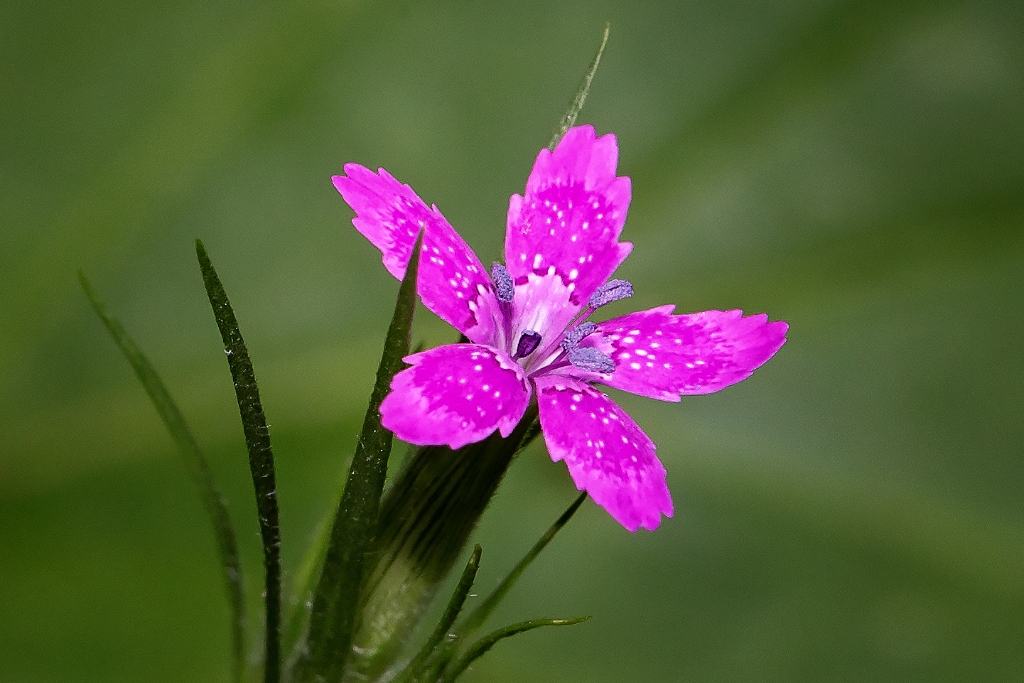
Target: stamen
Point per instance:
(504, 286)
(590, 359)
(613, 290)
(528, 343)
(575, 335)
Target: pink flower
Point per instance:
(526, 322)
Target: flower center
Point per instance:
(561, 349)
(528, 343)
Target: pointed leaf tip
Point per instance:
(482, 646)
(261, 456)
(579, 99)
(336, 597)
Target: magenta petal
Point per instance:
(571, 215)
(661, 355)
(454, 395)
(608, 455)
(452, 281)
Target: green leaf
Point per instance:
(477, 618)
(303, 583)
(444, 643)
(261, 457)
(336, 599)
(188, 448)
(451, 612)
(425, 521)
(569, 118)
(480, 648)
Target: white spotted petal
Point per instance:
(664, 356)
(569, 220)
(451, 281)
(561, 247)
(455, 395)
(607, 453)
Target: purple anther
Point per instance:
(613, 290)
(573, 336)
(590, 359)
(528, 343)
(504, 286)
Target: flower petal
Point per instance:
(606, 452)
(454, 395)
(661, 355)
(571, 215)
(452, 281)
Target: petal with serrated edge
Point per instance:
(608, 455)
(663, 356)
(451, 280)
(455, 395)
(571, 215)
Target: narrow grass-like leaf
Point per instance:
(480, 647)
(304, 581)
(261, 457)
(477, 618)
(188, 448)
(336, 599)
(425, 521)
(451, 613)
(569, 118)
(532, 432)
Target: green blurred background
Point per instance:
(851, 513)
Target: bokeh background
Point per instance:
(851, 513)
